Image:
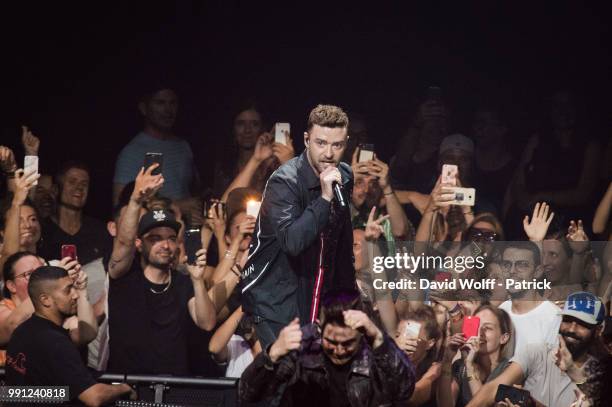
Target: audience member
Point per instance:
(149, 300)
(41, 353)
(351, 362)
(535, 319)
(69, 225)
(559, 165)
(551, 374)
(159, 109)
(483, 358)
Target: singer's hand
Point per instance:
(328, 177)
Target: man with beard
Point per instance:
(149, 301)
(41, 353)
(348, 362)
(535, 319)
(69, 225)
(302, 231)
(553, 375)
(373, 189)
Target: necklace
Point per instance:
(165, 288)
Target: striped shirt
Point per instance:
(177, 166)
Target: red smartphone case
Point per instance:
(471, 326)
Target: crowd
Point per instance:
(139, 294)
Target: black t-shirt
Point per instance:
(92, 240)
(40, 353)
(148, 331)
(338, 383)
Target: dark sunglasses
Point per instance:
(475, 234)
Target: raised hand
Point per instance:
(454, 342)
(263, 147)
(284, 151)
(439, 197)
(146, 184)
(359, 320)
(289, 338)
(23, 184)
(540, 220)
(563, 357)
(7, 159)
(196, 271)
(374, 228)
(72, 267)
(30, 142)
(80, 282)
(247, 227)
(380, 170)
(577, 238)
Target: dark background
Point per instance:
(74, 73)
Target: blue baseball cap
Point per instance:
(584, 306)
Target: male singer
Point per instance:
(303, 241)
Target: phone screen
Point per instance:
(471, 326)
(69, 250)
(366, 152)
(193, 243)
(152, 158)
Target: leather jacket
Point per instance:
(378, 377)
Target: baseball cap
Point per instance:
(585, 307)
(156, 219)
(457, 142)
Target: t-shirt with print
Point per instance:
(177, 165)
(40, 353)
(543, 379)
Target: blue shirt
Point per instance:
(177, 167)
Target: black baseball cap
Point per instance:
(156, 219)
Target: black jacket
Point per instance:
(377, 377)
(279, 276)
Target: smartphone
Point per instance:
(193, 243)
(212, 205)
(69, 250)
(412, 329)
(516, 396)
(471, 326)
(366, 152)
(30, 165)
(281, 131)
(252, 208)
(152, 158)
(449, 174)
(463, 196)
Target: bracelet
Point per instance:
(228, 255)
(389, 193)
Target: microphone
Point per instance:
(338, 194)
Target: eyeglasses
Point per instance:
(475, 234)
(520, 266)
(25, 275)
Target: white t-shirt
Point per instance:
(543, 379)
(239, 356)
(540, 325)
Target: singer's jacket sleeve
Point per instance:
(294, 228)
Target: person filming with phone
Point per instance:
(303, 230)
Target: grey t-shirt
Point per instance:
(543, 379)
